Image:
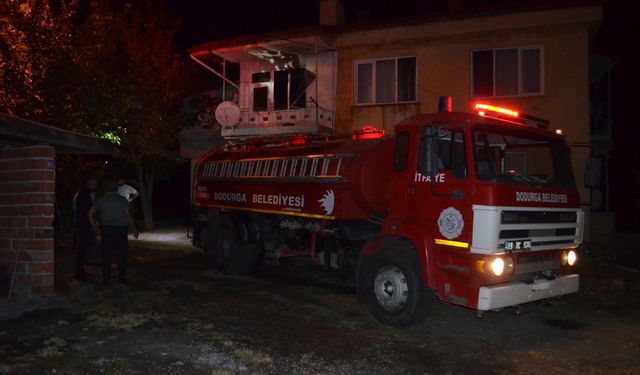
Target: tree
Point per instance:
(34, 45)
(110, 70)
(141, 83)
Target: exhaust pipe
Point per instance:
(444, 104)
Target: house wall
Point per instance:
(325, 79)
(27, 195)
(443, 52)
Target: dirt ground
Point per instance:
(179, 317)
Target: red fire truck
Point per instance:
(477, 209)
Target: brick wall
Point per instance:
(27, 196)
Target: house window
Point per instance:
(261, 77)
(507, 72)
(385, 81)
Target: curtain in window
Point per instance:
(407, 79)
(483, 73)
(531, 71)
(506, 72)
(365, 83)
(385, 81)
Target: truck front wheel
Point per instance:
(394, 291)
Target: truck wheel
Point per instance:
(234, 254)
(395, 293)
(202, 239)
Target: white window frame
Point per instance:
(520, 93)
(373, 80)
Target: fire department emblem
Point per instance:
(327, 202)
(450, 223)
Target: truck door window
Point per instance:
(458, 156)
(451, 152)
(401, 153)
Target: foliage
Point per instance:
(103, 68)
(34, 48)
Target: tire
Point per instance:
(235, 254)
(394, 290)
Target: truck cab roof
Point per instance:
(467, 120)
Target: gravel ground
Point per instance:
(178, 317)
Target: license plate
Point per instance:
(545, 285)
(517, 245)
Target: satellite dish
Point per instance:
(227, 113)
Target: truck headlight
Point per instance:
(497, 266)
(569, 257)
(572, 258)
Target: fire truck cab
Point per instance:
(477, 209)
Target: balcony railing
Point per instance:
(309, 120)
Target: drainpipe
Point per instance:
(317, 83)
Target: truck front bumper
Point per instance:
(516, 293)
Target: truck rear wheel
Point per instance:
(235, 253)
(394, 291)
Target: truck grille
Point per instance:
(524, 233)
(538, 217)
(525, 228)
(543, 228)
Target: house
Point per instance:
(338, 77)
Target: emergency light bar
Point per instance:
(490, 108)
(367, 132)
(506, 114)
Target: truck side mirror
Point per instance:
(593, 172)
(428, 158)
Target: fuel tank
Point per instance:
(338, 179)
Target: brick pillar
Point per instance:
(27, 195)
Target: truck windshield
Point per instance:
(509, 154)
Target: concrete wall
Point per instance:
(325, 79)
(27, 196)
(443, 52)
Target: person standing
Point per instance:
(112, 210)
(130, 194)
(84, 235)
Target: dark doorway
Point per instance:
(281, 90)
(298, 95)
(260, 98)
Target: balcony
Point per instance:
(312, 119)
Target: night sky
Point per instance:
(209, 20)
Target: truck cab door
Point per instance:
(400, 184)
(441, 184)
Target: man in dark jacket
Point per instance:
(84, 235)
(113, 213)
